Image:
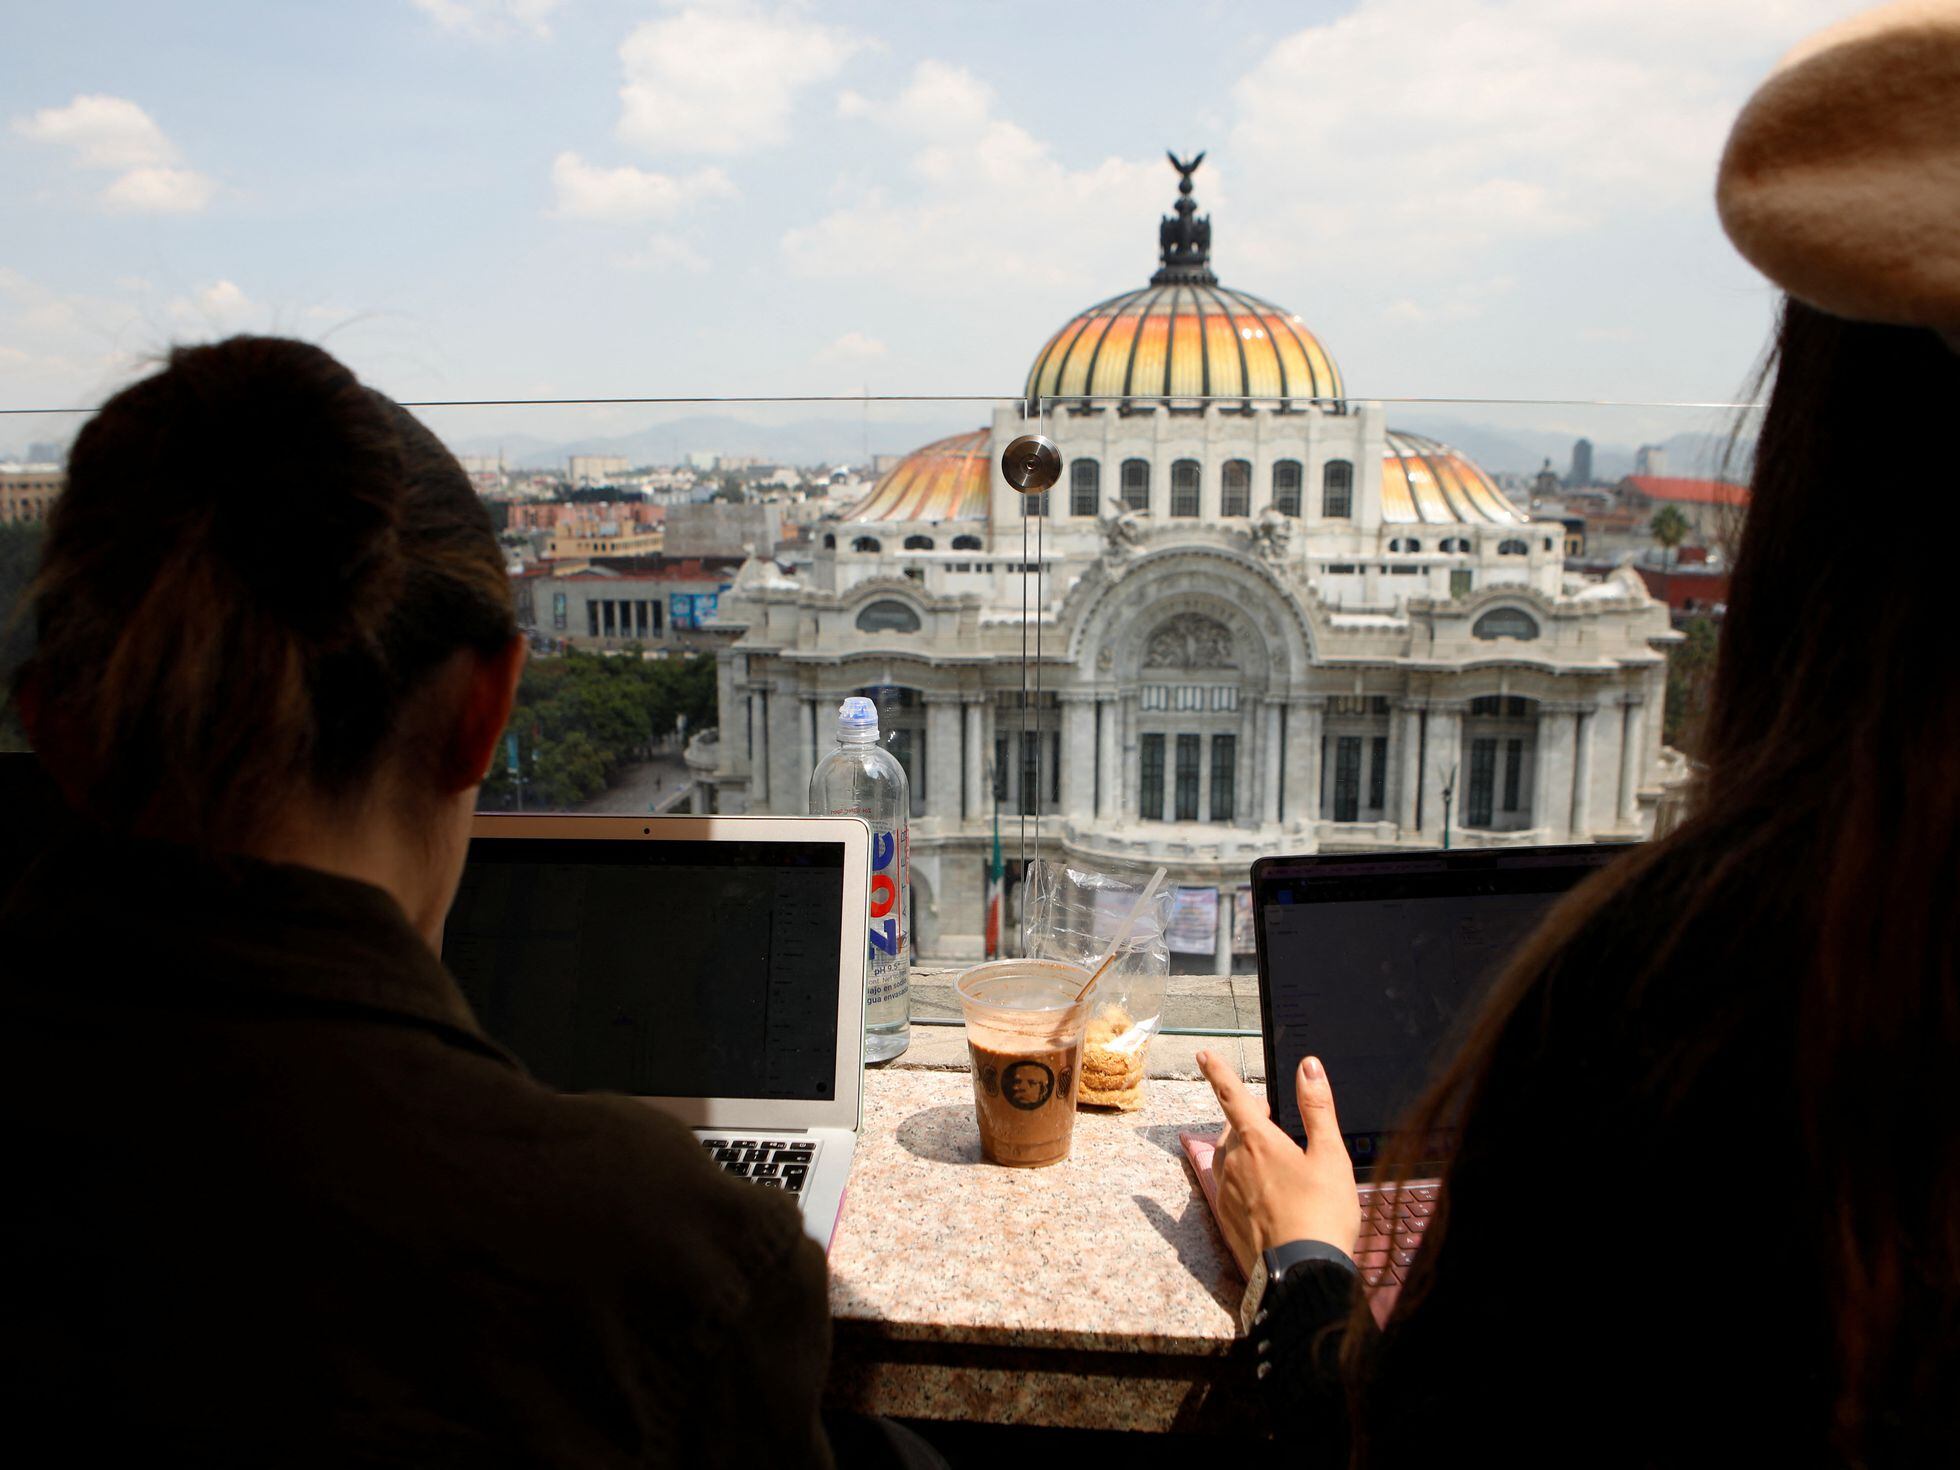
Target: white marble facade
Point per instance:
(1267, 675)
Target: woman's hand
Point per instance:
(1269, 1191)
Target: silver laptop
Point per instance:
(713, 966)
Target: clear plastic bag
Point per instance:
(1073, 913)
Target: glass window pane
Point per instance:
(1337, 489)
(1235, 488)
(1187, 778)
(1347, 778)
(1483, 768)
(1184, 488)
(1224, 772)
(1150, 795)
(1085, 487)
(1287, 477)
(1136, 484)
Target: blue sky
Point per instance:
(472, 198)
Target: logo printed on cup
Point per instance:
(1028, 1084)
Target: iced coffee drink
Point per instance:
(1024, 1034)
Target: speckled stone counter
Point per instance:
(1095, 1293)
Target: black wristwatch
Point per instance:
(1273, 1264)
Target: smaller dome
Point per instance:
(1429, 483)
(948, 480)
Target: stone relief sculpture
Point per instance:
(1191, 642)
(1272, 535)
(1122, 531)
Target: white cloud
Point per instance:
(1439, 128)
(589, 191)
(988, 205)
(852, 347)
(114, 133)
(159, 191)
(489, 19)
(668, 252)
(104, 132)
(722, 79)
(218, 308)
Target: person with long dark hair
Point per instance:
(274, 1198)
(1739, 1045)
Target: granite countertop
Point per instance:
(1096, 1292)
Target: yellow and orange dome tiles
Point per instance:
(1423, 483)
(1430, 483)
(948, 480)
(1185, 340)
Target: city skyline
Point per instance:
(472, 200)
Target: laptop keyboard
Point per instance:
(772, 1163)
(1390, 1232)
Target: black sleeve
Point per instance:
(763, 1392)
(1297, 1338)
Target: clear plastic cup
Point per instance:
(1024, 1033)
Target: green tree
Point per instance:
(1690, 682)
(1670, 528)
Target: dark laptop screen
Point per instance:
(661, 968)
(1374, 964)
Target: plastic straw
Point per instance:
(1122, 934)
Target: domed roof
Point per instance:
(948, 480)
(1184, 336)
(1425, 482)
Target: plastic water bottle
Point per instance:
(860, 778)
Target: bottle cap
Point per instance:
(857, 719)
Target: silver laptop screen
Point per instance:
(662, 968)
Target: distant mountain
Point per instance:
(804, 442)
(1524, 451)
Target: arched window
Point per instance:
(1513, 547)
(1505, 622)
(1337, 490)
(1405, 543)
(1456, 544)
(1184, 488)
(1235, 489)
(867, 543)
(1286, 487)
(887, 615)
(830, 543)
(1136, 484)
(966, 543)
(918, 543)
(1084, 487)
(1548, 543)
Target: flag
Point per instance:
(995, 873)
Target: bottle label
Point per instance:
(888, 874)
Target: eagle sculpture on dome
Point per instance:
(1183, 240)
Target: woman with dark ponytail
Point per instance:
(275, 1197)
(1740, 1044)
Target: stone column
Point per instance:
(979, 736)
(943, 757)
(1582, 766)
(1443, 766)
(1305, 720)
(1078, 755)
(1113, 774)
(1408, 766)
(758, 750)
(1126, 786)
(731, 714)
(1551, 773)
(1270, 755)
(1632, 740)
(1222, 952)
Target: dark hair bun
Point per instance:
(296, 470)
